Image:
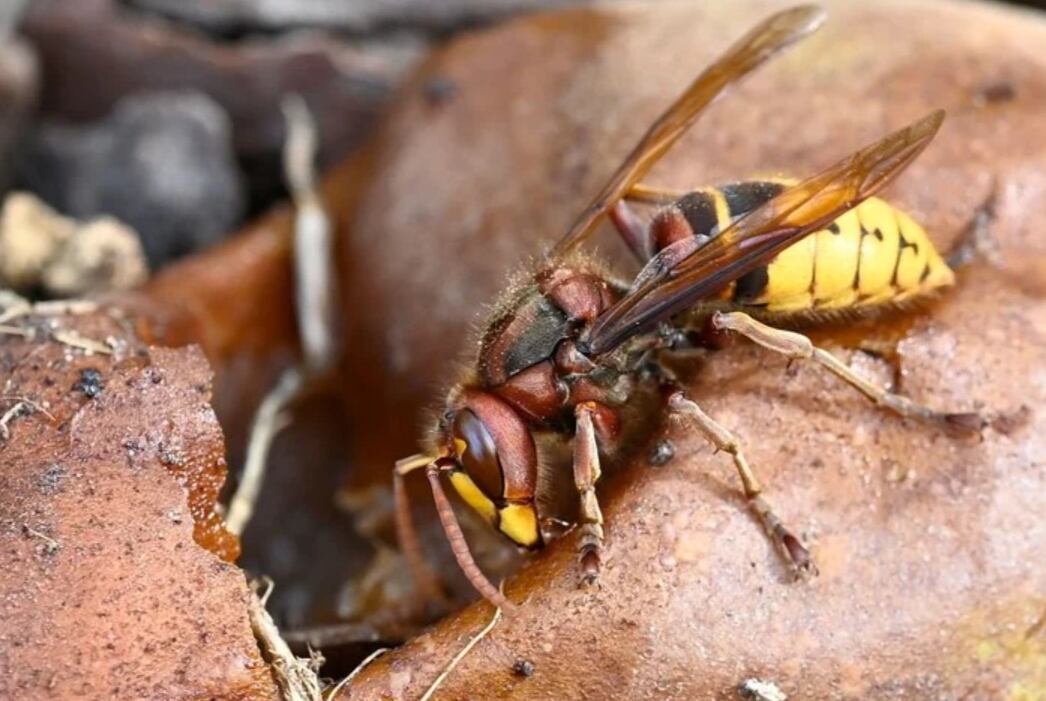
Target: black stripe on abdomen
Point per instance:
(742, 198)
(699, 210)
(752, 284)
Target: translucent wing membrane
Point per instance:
(765, 40)
(690, 270)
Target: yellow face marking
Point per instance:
(520, 523)
(878, 249)
(836, 261)
(472, 495)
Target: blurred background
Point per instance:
(165, 113)
(153, 128)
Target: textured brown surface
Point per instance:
(416, 15)
(930, 546)
(105, 500)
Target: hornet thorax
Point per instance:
(529, 355)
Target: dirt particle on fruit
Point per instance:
(50, 481)
(91, 383)
(523, 668)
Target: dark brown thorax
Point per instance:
(529, 355)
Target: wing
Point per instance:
(770, 36)
(684, 273)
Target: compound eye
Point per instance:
(480, 457)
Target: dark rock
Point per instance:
(19, 83)
(226, 16)
(344, 82)
(523, 668)
(163, 163)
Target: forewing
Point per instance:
(682, 274)
(770, 36)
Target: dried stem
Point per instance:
(15, 307)
(461, 655)
(295, 676)
(268, 421)
(18, 409)
(76, 340)
(315, 294)
(315, 290)
(333, 693)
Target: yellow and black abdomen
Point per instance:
(872, 256)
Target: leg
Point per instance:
(636, 234)
(458, 545)
(427, 582)
(795, 345)
(586, 474)
(723, 439)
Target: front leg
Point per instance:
(586, 474)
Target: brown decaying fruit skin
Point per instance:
(928, 582)
(105, 501)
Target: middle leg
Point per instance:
(586, 474)
(635, 233)
(723, 439)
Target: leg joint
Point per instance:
(789, 343)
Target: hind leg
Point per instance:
(798, 346)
